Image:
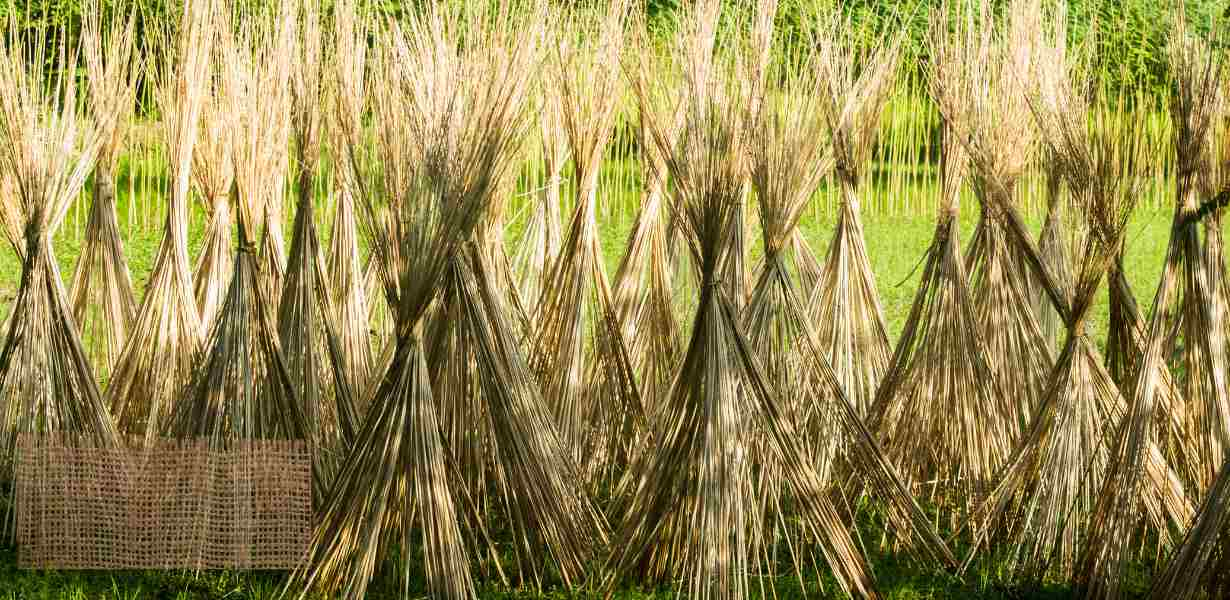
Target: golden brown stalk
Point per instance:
(214, 171)
(845, 306)
(102, 297)
(578, 351)
(241, 387)
(1114, 528)
(158, 358)
(694, 510)
(939, 412)
(449, 156)
(46, 383)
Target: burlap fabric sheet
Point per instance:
(178, 505)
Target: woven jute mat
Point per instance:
(180, 504)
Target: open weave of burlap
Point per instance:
(178, 505)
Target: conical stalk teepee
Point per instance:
(939, 412)
(845, 305)
(305, 316)
(470, 118)
(1049, 489)
(1113, 529)
(213, 169)
(692, 514)
(102, 296)
(158, 357)
(241, 387)
(345, 265)
(578, 353)
(46, 382)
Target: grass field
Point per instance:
(895, 243)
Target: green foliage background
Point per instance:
(1132, 42)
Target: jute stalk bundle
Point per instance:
(694, 510)
(1199, 566)
(788, 153)
(938, 412)
(103, 303)
(579, 354)
(643, 292)
(306, 326)
(348, 287)
(542, 239)
(441, 163)
(846, 308)
(158, 358)
(1115, 528)
(241, 387)
(996, 129)
(50, 146)
(213, 168)
(1042, 505)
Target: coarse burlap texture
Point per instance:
(178, 505)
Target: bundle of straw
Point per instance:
(1114, 529)
(46, 383)
(345, 266)
(158, 358)
(694, 510)
(241, 387)
(857, 84)
(999, 136)
(1199, 565)
(1047, 494)
(541, 241)
(1201, 310)
(468, 118)
(213, 168)
(938, 411)
(102, 298)
(643, 287)
(306, 328)
(579, 354)
(788, 154)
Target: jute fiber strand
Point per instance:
(173, 504)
